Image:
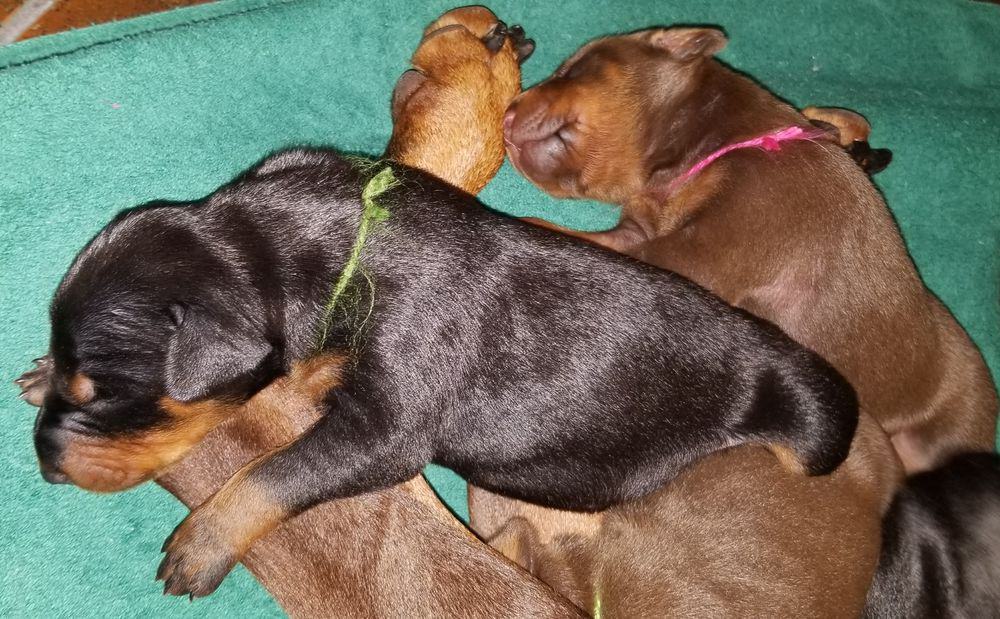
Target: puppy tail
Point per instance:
(805, 412)
(940, 552)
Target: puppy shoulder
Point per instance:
(296, 159)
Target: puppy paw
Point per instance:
(198, 557)
(871, 160)
(523, 46)
(496, 37)
(34, 384)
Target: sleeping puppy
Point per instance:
(734, 535)
(331, 560)
(465, 75)
(725, 184)
(941, 549)
(381, 554)
(493, 363)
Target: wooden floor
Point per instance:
(68, 14)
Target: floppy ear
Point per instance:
(204, 356)
(686, 44)
(407, 84)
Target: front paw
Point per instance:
(522, 44)
(496, 37)
(34, 383)
(198, 557)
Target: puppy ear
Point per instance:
(407, 84)
(205, 356)
(686, 44)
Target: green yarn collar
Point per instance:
(372, 214)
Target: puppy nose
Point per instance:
(47, 448)
(53, 476)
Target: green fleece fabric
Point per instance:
(172, 105)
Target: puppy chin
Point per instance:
(97, 478)
(101, 468)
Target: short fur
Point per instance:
(941, 549)
(373, 555)
(376, 555)
(465, 74)
(471, 345)
(800, 237)
(734, 534)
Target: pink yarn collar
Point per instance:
(770, 142)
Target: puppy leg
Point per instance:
(626, 235)
(347, 452)
(496, 37)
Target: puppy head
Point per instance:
(478, 20)
(584, 132)
(153, 344)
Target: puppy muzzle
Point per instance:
(48, 448)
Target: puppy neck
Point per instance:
(720, 108)
(372, 214)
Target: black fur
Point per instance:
(534, 365)
(941, 544)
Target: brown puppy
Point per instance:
(466, 72)
(378, 555)
(731, 536)
(799, 236)
(734, 535)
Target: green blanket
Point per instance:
(172, 105)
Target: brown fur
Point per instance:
(735, 534)
(459, 102)
(851, 126)
(801, 238)
(103, 464)
(373, 555)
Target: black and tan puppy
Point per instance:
(343, 558)
(534, 365)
